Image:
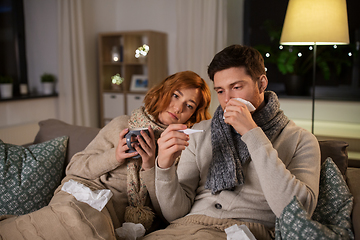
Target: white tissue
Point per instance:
(130, 231)
(248, 104)
(96, 199)
(241, 232)
(191, 131)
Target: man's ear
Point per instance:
(263, 82)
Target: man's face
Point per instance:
(235, 83)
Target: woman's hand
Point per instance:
(171, 143)
(238, 116)
(147, 149)
(121, 153)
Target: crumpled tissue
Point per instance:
(247, 103)
(241, 232)
(96, 199)
(130, 231)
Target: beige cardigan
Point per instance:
(98, 166)
(289, 166)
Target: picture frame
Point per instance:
(139, 83)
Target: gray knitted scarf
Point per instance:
(229, 152)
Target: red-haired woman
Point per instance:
(182, 98)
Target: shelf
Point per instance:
(153, 66)
(27, 97)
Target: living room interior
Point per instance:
(44, 21)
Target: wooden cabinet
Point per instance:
(120, 100)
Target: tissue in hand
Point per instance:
(96, 199)
(248, 104)
(241, 232)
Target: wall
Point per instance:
(41, 40)
(19, 119)
(41, 48)
(333, 120)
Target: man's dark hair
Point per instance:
(238, 56)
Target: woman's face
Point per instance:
(182, 106)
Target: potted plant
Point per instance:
(6, 87)
(296, 62)
(48, 83)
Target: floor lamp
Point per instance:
(315, 22)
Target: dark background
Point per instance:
(343, 87)
(12, 42)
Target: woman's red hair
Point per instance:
(158, 98)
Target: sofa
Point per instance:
(79, 137)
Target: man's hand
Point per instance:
(238, 116)
(171, 143)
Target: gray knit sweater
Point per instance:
(288, 166)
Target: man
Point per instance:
(246, 166)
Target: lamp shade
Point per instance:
(320, 22)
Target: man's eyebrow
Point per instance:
(232, 84)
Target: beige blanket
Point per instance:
(203, 227)
(64, 218)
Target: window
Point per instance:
(12, 42)
(263, 24)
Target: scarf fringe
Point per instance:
(140, 214)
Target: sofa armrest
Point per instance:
(337, 150)
(353, 181)
(79, 137)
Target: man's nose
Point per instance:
(228, 96)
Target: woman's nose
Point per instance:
(178, 107)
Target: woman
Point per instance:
(182, 98)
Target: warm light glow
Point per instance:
(142, 51)
(116, 79)
(320, 22)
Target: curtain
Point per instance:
(201, 33)
(74, 86)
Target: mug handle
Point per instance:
(128, 137)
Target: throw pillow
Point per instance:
(331, 218)
(30, 175)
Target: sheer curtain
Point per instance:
(201, 33)
(75, 105)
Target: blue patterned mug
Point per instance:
(131, 138)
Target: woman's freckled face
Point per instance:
(182, 106)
